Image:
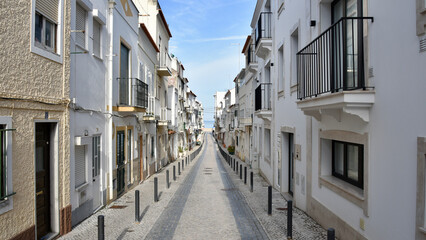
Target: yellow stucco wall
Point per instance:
(27, 82)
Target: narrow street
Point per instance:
(208, 201)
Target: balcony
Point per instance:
(133, 96)
(245, 117)
(331, 74)
(262, 101)
(252, 59)
(164, 69)
(149, 114)
(263, 35)
(163, 117)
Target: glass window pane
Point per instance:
(48, 34)
(38, 27)
(338, 155)
(353, 152)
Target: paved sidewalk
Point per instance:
(275, 225)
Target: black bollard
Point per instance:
(183, 165)
(245, 175)
(167, 178)
(137, 206)
(178, 168)
(330, 234)
(289, 219)
(236, 172)
(174, 172)
(155, 189)
(269, 200)
(251, 181)
(101, 227)
(241, 171)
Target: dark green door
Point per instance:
(120, 162)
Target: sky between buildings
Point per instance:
(208, 36)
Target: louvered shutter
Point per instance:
(80, 25)
(80, 165)
(97, 38)
(48, 8)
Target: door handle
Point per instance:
(39, 193)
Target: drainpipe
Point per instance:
(111, 5)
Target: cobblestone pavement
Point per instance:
(208, 201)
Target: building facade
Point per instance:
(34, 119)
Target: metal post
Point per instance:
(174, 172)
(241, 171)
(236, 172)
(330, 234)
(155, 189)
(137, 206)
(269, 200)
(251, 181)
(167, 178)
(289, 219)
(101, 227)
(245, 174)
(233, 162)
(183, 165)
(178, 168)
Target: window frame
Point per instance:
(344, 177)
(37, 48)
(96, 155)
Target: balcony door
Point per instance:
(345, 41)
(124, 75)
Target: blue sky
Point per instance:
(208, 36)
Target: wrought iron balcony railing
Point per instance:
(133, 92)
(264, 27)
(262, 97)
(334, 61)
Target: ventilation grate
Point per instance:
(423, 45)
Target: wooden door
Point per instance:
(120, 162)
(43, 179)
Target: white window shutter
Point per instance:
(48, 8)
(80, 25)
(142, 72)
(80, 165)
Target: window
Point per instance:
(6, 188)
(281, 68)
(124, 74)
(97, 29)
(46, 29)
(96, 155)
(142, 72)
(267, 144)
(45, 33)
(80, 26)
(294, 48)
(80, 166)
(348, 163)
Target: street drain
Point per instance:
(281, 209)
(228, 189)
(207, 173)
(118, 207)
(130, 230)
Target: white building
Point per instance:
(355, 159)
(89, 49)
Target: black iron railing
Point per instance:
(334, 61)
(262, 97)
(264, 26)
(133, 92)
(251, 54)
